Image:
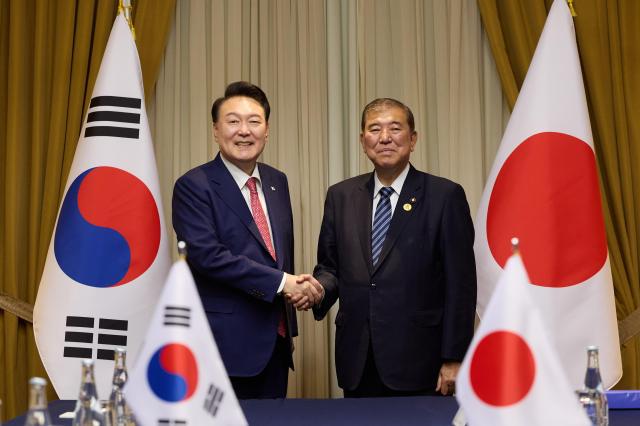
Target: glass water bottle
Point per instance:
(122, 412)
(88, 411)
(593, 397)
(38, 414)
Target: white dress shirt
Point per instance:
(241, 178)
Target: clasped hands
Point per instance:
(302, 291)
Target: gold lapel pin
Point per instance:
(407, 206)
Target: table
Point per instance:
(419, 410)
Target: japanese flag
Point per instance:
(543, 187)
(511, 374)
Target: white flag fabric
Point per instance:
(179, 376)
(543, 188)
(109, 254)
(511, 374)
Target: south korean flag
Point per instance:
(179, 377)
(109, 251)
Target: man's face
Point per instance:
(387, 139)
(241, 131)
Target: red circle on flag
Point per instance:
(502, 369)
(547, 195)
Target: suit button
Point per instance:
(373, 285)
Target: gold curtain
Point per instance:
(608, 39)
(50, 53)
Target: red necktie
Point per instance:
(261, 221)
(259, 216)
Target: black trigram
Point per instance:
(113, 115)
(171, 422)
(213, 400)
(106, 336)
(177, 315)
(81, 330)
(85, 336)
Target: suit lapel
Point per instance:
(270, 191)
(363, 203)
(409, 195)
(227, 189)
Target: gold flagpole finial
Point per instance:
(124, 7)
(571, 8)
(182, 250)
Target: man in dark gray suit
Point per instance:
(396, 247)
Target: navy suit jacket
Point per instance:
(236, 276)
(417, 305)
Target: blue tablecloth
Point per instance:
(424, 411)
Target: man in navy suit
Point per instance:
(235, 216)
(396, 247)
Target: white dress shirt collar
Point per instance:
(396, 185)
(238, 175)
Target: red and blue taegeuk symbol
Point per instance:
(108, 231)
(173, 373)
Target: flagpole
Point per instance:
(182, 250)
(515, 245)
(124, 7)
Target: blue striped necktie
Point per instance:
(381, 222)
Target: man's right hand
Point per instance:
(303, 291)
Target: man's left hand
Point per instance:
(447, 378)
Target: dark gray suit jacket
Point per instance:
(417, 305)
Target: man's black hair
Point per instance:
(241, 88)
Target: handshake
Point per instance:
(302, 291)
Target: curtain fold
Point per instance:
(50, 56)
(513, 29)
(607, 34)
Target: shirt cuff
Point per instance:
(281, 287)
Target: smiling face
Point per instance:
(387, 139)
(241, 131)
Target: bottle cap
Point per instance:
(38, 381)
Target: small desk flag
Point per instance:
(179, 377)
(511, 374)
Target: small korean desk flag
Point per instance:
(108, 254)
(179, 377)
(543, 187)
(511, 374)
